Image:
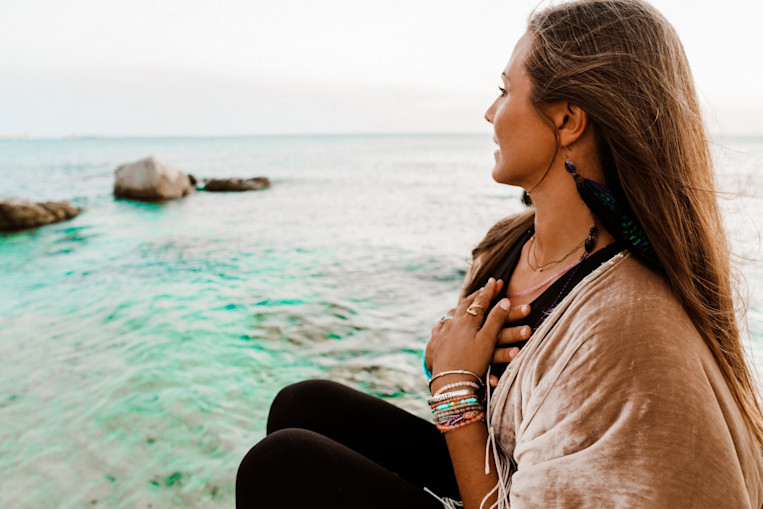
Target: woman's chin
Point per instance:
(502, 176)
(498, 175)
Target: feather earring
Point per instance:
(616, 217)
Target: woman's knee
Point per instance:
(296, 405)
(275, 463)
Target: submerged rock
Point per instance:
(151, 179)
(22, 214)
(237, 184)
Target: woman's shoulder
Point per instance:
(626, 294)
(623, 316)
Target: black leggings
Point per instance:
(331, 446)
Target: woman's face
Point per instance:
(526, 143)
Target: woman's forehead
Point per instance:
(518, 55)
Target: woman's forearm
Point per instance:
(466, 446)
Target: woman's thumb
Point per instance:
(496, 319)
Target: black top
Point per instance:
(542, 306)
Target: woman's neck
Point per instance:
(562, 219)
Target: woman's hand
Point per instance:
(467, 340)
(503, 353)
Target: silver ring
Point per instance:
(445, 318)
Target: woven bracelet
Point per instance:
(444, 428)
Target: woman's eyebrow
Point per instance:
(505, 76)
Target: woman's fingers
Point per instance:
(495, 320)
(477, 304)
(505, 355)
(518, 312)
(468, 301)
(511, 335)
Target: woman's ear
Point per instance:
(570, 121)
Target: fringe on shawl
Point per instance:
(504, 472)
(447, 503)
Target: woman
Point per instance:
(632, 390)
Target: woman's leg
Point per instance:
(296, 468)
(385, 434)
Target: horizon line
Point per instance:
(69, 137)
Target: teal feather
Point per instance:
(617, 218)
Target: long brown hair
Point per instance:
(622, 63)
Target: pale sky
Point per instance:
(235, 67)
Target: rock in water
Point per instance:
(151, 179)
(22, 214)
(237, 184)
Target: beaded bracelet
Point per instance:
(440, 414)
(443, 406)
(442, 397)
(454, 398)
(443, 415)
(457, 403)
(464, 383)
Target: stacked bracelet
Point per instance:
(456, 408)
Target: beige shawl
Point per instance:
(617, 402)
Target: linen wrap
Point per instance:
(617, 402)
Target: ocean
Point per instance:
(141, 344)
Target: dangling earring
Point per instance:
(615, 215)
(526, 200)
(593, 234)
(570, 167)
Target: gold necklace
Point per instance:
(539, 268)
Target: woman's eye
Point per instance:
(503, 90)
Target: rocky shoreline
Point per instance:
(150, 179)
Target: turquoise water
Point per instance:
(141, 344)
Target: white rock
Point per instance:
(151, 179)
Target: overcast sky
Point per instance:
(236, 67)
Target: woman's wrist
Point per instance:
(442, 381)
(457, 401)
(444, 376)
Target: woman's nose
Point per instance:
(489, 113)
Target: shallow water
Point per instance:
(141, 344)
